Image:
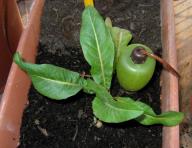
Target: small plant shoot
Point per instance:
(106, 50)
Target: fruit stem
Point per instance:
(163, 62)
(137, 56)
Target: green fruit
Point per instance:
(134, 71)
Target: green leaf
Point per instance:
(115, 111)
(146, 108)
(121, 38)
(52, 81)
(99, 90)
(97, 45)
(167, 119)
(120, 109)
(110, 110)
(108, 23)
(149, 117)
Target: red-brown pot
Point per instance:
(15, 98)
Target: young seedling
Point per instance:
(99, 48)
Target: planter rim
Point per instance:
(170, 97)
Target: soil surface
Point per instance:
(70, 123)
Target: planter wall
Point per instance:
(170, 99)
(14, 97)
(18, 83)
(10, 32)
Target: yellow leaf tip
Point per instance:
(88, 3)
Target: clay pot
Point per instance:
(14, 98)
(170, 99)
(10, 31)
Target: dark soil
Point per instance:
(69, 123)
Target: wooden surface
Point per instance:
(183, 26)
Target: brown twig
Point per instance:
(163, 62)
(83, 75)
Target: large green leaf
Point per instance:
(149, 117)
(52, 81)
(120, 109)
(97, 45)
(115, 111)
(110, 110)
(170, 118)
(121, 38)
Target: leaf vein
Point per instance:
(56, 81)
(98, 49)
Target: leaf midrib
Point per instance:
(98, 49)
(116, 108)
(56, 81)
(120, 38)
(157, 117)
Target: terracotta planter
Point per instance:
(10, 31)
(14, 97)
(18, 83)
(170, 99)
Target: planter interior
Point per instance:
(10, 31)
(18, 83)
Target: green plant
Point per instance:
(99, 50)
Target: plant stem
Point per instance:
(163, 62)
